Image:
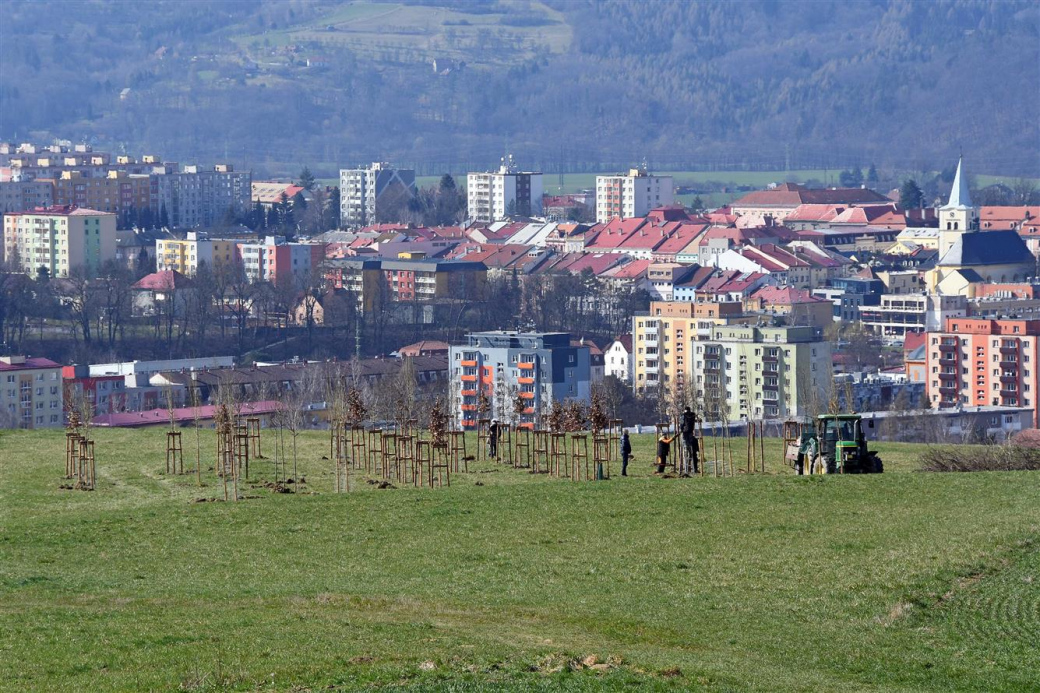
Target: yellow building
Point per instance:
(185, 255)
(661, 339)
(59, 240)
(118, 192)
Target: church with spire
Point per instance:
(968, 256)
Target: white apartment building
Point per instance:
(631, 195)
(365, 192)
(60, 239)
(507, 192)
(31, 393)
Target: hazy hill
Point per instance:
(577, 84)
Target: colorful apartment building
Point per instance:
(536, 367)
(184, 255)
(661, 353)
(118, 192)
(60, 239)
(631, 194)
(982, 362)
(31, 394)
(277, 261)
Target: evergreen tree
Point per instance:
(164, 217)
(306, 179)
(332, 217)
(910, 196)
(872, 176)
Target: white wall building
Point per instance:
(631, 195)
(31, 393)
(507, 192)
(617, 359)
(365, 192)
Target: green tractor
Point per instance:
(837, 446)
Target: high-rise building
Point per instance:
(746, 371)
(535, 367)
(366, 193)
(507, 192)
(981, 362)
(31, 393)
(200, 198)
(59, 240)
(631, 194)
(118, 192)
(20, 196)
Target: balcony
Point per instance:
(1008, 379)
(947, 376)
(1013, 349)
(526, 395)
(525, 380)
(1008, 364)
(468, 393)
(469, 364)
(947, 360)
(468, 378)
(526, 365)
(948, 390)
(1009, 393)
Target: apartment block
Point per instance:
(20, 196)
(631, 194)
(982, 362)
(118, 192)
(662, 339)
(184, 255)
(366, 192)
(898, 314)
(199, 198)
(507, 192)
(31, 394)
(762, 372)
(277, 261)
(377, 281)
(537, 367)
(59, 240)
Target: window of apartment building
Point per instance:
(10, 378)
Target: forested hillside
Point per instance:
(564, 84)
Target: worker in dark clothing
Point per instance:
(664, 445)
(492, 441)
(626, 452)
(688, 429)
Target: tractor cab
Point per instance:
(842, 445)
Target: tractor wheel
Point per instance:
(875, 465)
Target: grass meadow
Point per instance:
(506, 580)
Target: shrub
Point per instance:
(981, 458)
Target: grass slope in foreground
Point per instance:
(902, 581)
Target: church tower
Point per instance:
(958, 215)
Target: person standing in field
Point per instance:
(664, 445)
(492, 441)
(689, 438)
(626, 452)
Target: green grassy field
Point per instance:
(506, 580)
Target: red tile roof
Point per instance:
(167, 280)
(30, 363)
(791, 195)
